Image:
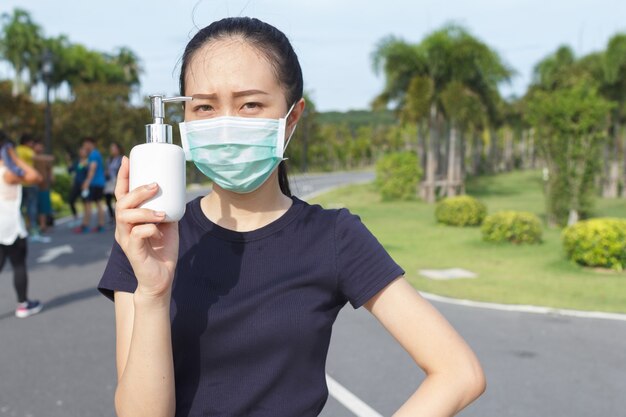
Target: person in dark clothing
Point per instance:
(114, 162)
(78, 169)
(229, 311)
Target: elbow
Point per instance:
(36, 178)
(478, 384)
(474, 382)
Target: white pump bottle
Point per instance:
(159, 160)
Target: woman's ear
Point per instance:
(296, 113)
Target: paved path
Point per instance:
(61, 362)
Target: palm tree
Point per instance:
(416, 77)
(21, 44)
(614, 88)
(129, 63)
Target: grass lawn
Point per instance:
(532, 274)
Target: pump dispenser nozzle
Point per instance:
(157, 131)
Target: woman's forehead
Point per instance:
(230, 61)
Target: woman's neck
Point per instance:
(246, 212)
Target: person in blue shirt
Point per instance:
(92, 189)
(228, 312)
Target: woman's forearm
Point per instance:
(442, 396)
(146, 386)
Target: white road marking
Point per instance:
(51, 254)
(349, 400)
(526, 308)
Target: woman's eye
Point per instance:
(252, 106)
(203, 108)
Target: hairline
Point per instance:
(268, 54)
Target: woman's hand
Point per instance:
(150, 245)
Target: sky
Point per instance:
(334, 39)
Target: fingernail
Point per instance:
(151, 186)
(159, 213)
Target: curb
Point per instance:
(520, 308)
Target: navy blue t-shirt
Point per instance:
(252, 311)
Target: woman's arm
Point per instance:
(91, 171)
(31, 175)
(145, 370)
(143, 335)
(454, 377)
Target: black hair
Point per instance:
(272, 43)
(119, 147)
(89, 139)
(3, 138)
(26, 138)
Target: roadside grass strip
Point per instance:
(506, 274)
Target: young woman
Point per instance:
(114, 162)
(229, 312)
(13, 245)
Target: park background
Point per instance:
(519, 105)
(533, 128)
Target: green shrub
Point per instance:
(597, 242)
(461, 211)
(512, 226)
(398, 175)
(62, 184)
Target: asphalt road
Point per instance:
(60, 363)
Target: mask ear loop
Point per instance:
(292, 130)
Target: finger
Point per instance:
(145, 231)
(140, 233)
(139, 216)
(121, 185)
(137, 196)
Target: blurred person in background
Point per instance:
(114, 162)
(30, 192)
(13, 243)
(92, 189)
(77, 168)
(43, 164)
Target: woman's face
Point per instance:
(231, 78)
(114, 150)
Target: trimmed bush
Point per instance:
(57, 201)
(512, 226)
(397, 176)
(461, 211)
(597, 242)
(62, 184)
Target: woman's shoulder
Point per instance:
(337, 217)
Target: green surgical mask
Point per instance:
(237, 153)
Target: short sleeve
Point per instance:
(363, 266)
(118, 274)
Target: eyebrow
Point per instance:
(236, 94)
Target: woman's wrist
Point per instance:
(144, 297)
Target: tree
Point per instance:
(614, 88)
(101, 111)
(606, 70)
(571, 122)
(416, 77)
(21, 44)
